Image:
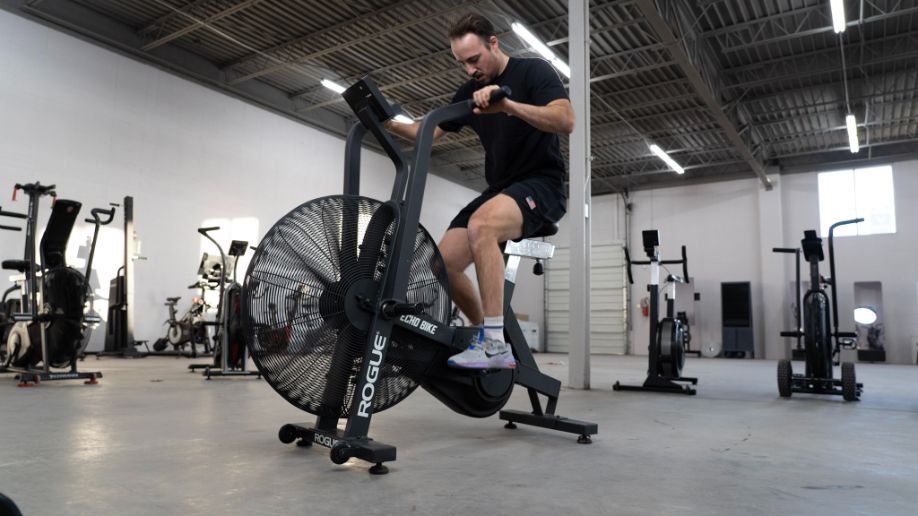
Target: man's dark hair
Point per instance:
(473, 23)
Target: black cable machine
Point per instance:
(666, 354)
(231, 355)
(52, 335)
(347, 304)
(822, 341)
(119, 327)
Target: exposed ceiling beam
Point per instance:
(317, 36)
(821, 30)
(160, 23)
(351, 43)
(196, 23)
(649, 10)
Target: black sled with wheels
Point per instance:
(822, 341)
(666, 351)
(347, 307)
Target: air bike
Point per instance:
(819, 329)
(347, 302)
(666, 351)
(50, 330)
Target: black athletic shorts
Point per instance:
(540, 199)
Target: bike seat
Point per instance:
(173, 299)
(548, 228)
(16, 265)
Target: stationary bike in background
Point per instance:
(231, 356)
(666, 351)
(820, 328)
(371, 318)
(51, 331)
(190, 329)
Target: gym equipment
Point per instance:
(736, 320)
(371, 304)
(191, 329)
(53, 334)
(119, 327)
(687, 335)
(666, 352)
(231, 356)
(819, 329)
(8, 306)
(797, 352)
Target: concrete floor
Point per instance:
(154, 439)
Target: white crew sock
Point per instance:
(494, 328)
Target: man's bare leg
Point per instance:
(496, 221)
(457, 254)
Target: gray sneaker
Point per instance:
(485, 353)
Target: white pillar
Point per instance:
(773, 298)
(579, 201)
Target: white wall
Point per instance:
(730, 228)
(102, 126)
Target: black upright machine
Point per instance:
(347, 306)
(666, 351)
(8, 305)
(50, 330)
(231, 356)
(822, 341)
(119, 327)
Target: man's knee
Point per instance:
(454, 248)
(495, 223)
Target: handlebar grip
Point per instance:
(791, 334)
(783, 250)
(846, 335)
(684, 265)
(496, 95)
(501, 93)
(98, 212)
(204, 231)
(13, 215)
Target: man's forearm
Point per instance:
(409, 131)
(553, 118)
(406, 131)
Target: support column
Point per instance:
(579, 199)
(772, 296)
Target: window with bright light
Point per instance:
(857, 193)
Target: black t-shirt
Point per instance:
(513, 148)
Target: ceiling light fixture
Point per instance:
(852, 133)
(838, 15)
(334, 86)
(665, 157)
(541, 48)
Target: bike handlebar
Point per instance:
(204, 231)
(97, 216)
(34, 188)
(496, 95)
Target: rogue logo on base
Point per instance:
(369, 388)
(324, 440)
